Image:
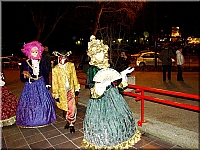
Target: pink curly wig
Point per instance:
(27, 49)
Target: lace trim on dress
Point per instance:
(8, 122)
(124, 145)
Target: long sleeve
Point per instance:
(75, 79)
(24, 67)
(179, 58)
(44, 71)
(55, 83)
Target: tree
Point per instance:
(108, 12)
(108, 16)
(46, 17)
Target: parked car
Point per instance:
(148, 58)
(135, 56)
(5, 62)
(10, 62)
(15, 62)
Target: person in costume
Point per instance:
(8, 104)
(65, 87)
(36, 107)
(109, 122)
(47, 58)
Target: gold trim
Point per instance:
(124, 145)
(8, 122)
(35, 126)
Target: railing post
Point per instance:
(142, 110)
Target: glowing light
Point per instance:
(78, 42)
(193, 40)
(119, 40)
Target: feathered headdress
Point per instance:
(62, 52)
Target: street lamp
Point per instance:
(119, 40)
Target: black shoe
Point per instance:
(66, 126)
(72, 130)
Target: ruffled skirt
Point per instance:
(36, 107)
(8, 107)
(109, 123)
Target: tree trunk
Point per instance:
(96, 23)
(39, 34)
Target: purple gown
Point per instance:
(36, 106)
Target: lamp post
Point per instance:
(155, 38)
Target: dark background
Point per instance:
(18, 27)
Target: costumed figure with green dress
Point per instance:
(109, 122)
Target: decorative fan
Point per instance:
(107, 74)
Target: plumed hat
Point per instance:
(62, 52)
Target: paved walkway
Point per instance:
(173, 125)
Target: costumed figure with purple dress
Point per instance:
(65, 87)
(109, 122)
(36, 107)
(8, 104)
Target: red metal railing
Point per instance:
(141, 97)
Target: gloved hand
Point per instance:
(2, 83)
(99, 88)
(57, 99)
(126, 71)
(31, 80)
(48, 86)
(76, 93)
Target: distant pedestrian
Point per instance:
(84, 64)
(179, 61)
(166, 56)
(47, 58)
(123, 62)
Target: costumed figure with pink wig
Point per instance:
(36, 106)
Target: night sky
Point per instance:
(17, 25)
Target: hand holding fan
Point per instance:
(107, 75)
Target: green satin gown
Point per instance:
(109, 122)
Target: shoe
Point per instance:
(72, 130)
(66, 126)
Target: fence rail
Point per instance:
(140, 96)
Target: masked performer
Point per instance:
(8, 104)
(109, 122)
(65, 87)
(36, 107)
